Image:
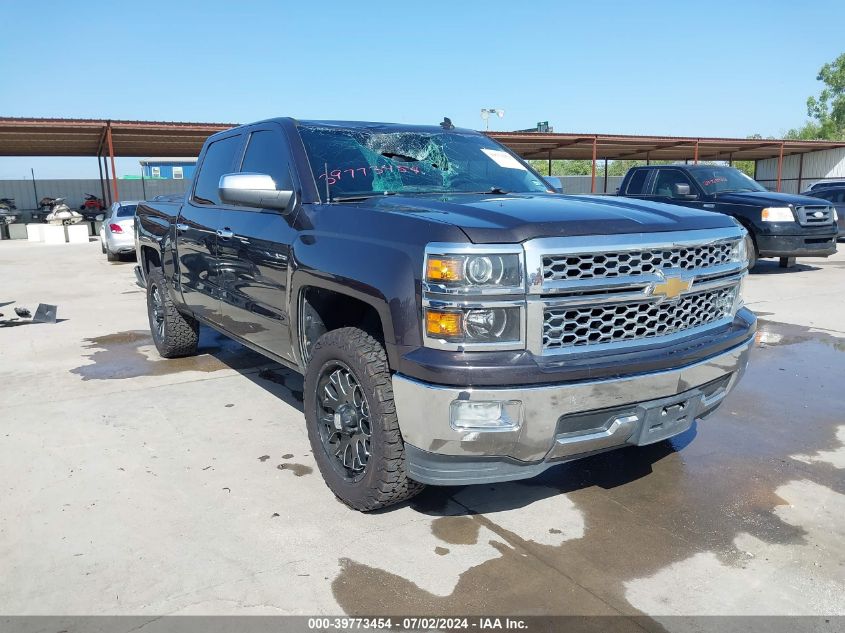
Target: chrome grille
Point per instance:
(814, 215)
(565, 327)
(616, 264)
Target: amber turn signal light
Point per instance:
(444, 269)
(443, 324)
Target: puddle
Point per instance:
(567, 542)
(132, 353)
(460, 530)
(297, 469)
(772, 333)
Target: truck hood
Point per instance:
(511, 218)
(767, 199)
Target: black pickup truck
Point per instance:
(779, 225)
(456, 321)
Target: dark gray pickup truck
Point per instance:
(456, 321)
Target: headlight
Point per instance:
(474, 325)
(467, 272)
(739, 253)
(778, 214)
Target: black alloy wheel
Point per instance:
(343, 414)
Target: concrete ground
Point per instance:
(135, 485)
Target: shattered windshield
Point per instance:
(724, 179)
(357, 162)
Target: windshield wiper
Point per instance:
(363, 196)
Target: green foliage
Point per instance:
(745, 166)
(564, 167)
(828, 108)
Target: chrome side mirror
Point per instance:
(253, 190)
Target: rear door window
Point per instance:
(636, 185)
(219, 159)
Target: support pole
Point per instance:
(108, 177)
(550, 162)
(113, 171)
(34, 188)
(605, 175)
(595, 147)
(780, 166)
(730, 160)
(695, 158)
(800, 170)
(648, 158)
(102, 182)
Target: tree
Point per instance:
(828, 109)
(563, 167)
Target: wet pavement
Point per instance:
(187, 486)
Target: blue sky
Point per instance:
(677, 68)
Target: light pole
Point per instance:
(485, 114)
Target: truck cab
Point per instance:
(779, 224)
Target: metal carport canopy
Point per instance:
(621, 147)
(89, 137)
(103, 137)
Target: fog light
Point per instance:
(479, 415)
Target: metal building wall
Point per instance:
(829, 163)
(73, 191)
(582, 184)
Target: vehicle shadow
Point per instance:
(606, 470)
(772, 267)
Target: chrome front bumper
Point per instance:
(556, 422)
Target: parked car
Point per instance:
(835, 195)
(117, 233)
(779, 225)
(823, 184)
(456, 321)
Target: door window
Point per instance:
(267, 154)
(218, 160)
(637, 182)
(664, 185)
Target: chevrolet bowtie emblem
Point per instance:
(672, 287)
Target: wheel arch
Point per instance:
(339, 306)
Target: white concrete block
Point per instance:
(53, 234)
(17, 231)
(78, 233)
(34, 232)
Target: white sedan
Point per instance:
(117, 234)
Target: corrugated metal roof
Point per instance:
(87, 137)
(622, 146)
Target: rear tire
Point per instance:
(112, 257)
(174, 334)
(375, 434)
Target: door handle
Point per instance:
(225, 233)
(182, 227)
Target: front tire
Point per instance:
(352, 423)
(174, 334)
(751, 250)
